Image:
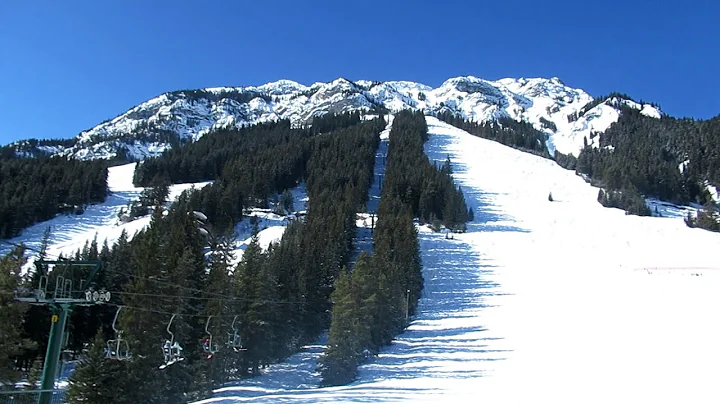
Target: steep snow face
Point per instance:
(181, 116)
(570, 136)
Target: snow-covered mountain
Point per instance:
(181, 116)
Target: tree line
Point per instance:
(36, 189)
(373, 301)
(276, 300)
(639, 157)
(517, 134)
(427, 189)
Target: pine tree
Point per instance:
(34, 373)
(247, 275)
(12, 343)
(95, 379)
(338, 365)
(365, 286)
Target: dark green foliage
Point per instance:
(35, 373)
(707, 218)
(627, 199)
(520, 135)
(12, 343)
(281, 297)
(374, 302)
(641, 154)
(206, 159)
(95, 379)
(247, 164)
(338, 365)
(567, 161)
(30, 147)
(548, 124)
(287, 202)
(36, 189)
(427, 190)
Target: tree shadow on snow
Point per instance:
(446, 339)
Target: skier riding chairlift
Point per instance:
(234, 340)
(172, 351)
(118, 348)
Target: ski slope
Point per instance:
(539, 301)
(70, 233)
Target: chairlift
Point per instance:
(234, 340)
(209, 346)
(172, 351)
(200, 216)
(118, 348)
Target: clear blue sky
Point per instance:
(65, 66)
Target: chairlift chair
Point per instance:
(171, 350)
(118, 348)
(209, 346)
(234, 340)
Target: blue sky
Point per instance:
(65, 66)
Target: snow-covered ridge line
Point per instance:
(144, 130)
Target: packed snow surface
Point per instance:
(539, 301)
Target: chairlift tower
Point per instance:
(61, 286)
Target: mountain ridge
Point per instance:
(173, 118)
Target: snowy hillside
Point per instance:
(180, 116)
(539, 301)
(69, 233)
(570, 136)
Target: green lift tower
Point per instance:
(61, 285)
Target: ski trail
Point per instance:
(69, 233)
(445, 343)
(364, 221)
(298, 374)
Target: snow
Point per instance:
(714, 192)
(539, 301)
(472, 97)
(271, 226)
(544, 103)
(597, 119)
(569, 138)
(69, 233)
(650, 111)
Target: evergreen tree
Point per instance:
(34, 373)
(12, 343)
(95, 379)
(338, 365)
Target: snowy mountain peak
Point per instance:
(594, 118)
(176, 117)
(281, 87)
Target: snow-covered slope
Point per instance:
(570, 136)
(562, 302)
(180, 116)
(69, 233)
